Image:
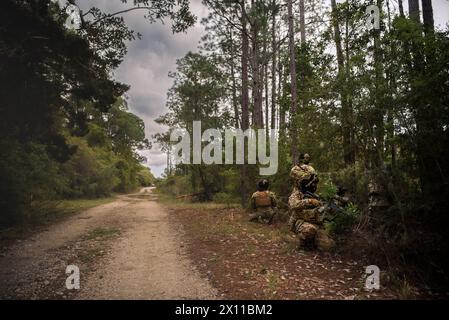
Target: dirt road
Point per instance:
(124, 250)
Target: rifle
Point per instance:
(329, 206)
(311, 195)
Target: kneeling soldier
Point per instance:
(263, 203)
(306, 221)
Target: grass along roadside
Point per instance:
(47, 212)
(172, 202)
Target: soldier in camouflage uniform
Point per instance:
(263, 203)
(306, 220)
(340, 199)
(303, 171)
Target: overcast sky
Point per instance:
(149, 60)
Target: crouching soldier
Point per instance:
(263, 204)
(306, 220)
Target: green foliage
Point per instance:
(66, 133)
(28, 174)
(226, 198)
(177, 10)
(372, 107)
(91, 171)
(355, 178)
(97, 137)
(145, 177)
(127, 131)
(328, 190)
(196, 94)
(175, 185)
(344, 220)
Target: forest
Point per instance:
(370, 106)
(66, 131)
(368, 103)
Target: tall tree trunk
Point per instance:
(256, 87)
(431, 156)
(429, 24)
(257, 73)
(391, 76)
(273, 68)
(337, 39)
(267, 102)
(234, 97)
(343, 73)
(349, 110)
(302, 70)
(413, 10)
(379, 108)
(234, 82)
(245, 80)
(302, 20)
(281, 94)
(265, 84)
(401, 8)
(294, 92)
(245, 99)
(428, 157)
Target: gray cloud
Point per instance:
(147, 64)
(147, 105)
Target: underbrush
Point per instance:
(180, 188)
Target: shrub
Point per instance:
(344, 220)
(27, 174)
(145, 177)
(328, 189)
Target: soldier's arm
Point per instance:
(302, 204)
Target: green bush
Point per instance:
(175, 185)
(90, 171)
(27, 174)
(145, 177)
(328, 189)
(355, 179)
(344, 220)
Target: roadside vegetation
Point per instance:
(66, 130)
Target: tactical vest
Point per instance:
(263, 199)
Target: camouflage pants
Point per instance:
(262, 216)
(311, 235)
